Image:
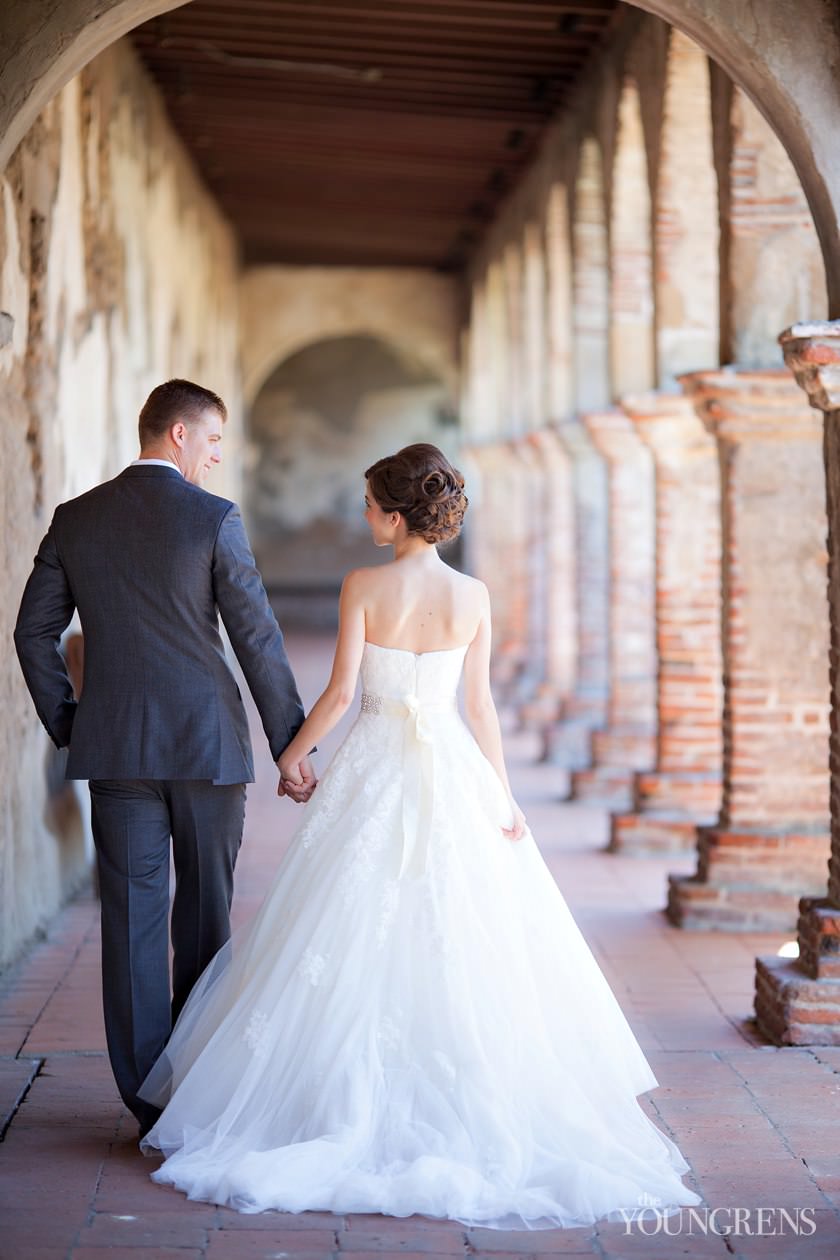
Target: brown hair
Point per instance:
(420, 483)
(175, 400)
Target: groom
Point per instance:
(149, 560)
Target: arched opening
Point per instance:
(631, 279)
(322, 417)
(498, 346)
(765, 221)
(686, 219)
(559, 344)
(534, 294)
(512, 279)
(591, 310)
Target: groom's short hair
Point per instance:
(175, 400)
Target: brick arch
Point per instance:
(590, 281)
(686, 227)
(791, 79)
(631, 270)
(47, 44)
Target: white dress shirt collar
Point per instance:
(163, 463)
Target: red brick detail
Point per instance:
(771, 841)
(685, 788)
(797, 1001)
(628, 742)
(569, 742)
(498, 528)
(793, 1010)
(553, 619)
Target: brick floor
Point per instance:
(759, 1125)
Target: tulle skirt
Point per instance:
(441, 1042)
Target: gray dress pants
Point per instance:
(133, 821)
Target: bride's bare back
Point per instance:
(420, 604)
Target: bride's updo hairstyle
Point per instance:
(420, 483)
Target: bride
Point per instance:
(413, 1022)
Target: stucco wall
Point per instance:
(117, 271)
(321, 418)
(285, 308)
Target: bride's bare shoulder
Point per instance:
(470, 586)
(359, 581)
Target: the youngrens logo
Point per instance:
(764, 1221)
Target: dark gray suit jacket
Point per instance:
(150, 560)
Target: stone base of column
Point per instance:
(667, 810)
(793, 1010)
(617, 753)
(797, 1000)
(748, 882)
(539, 711)
(568, 743)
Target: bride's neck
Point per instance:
(413, 546)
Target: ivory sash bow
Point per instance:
(418, 769)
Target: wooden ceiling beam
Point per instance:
(510, 11)
(316, 159)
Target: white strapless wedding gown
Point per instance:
(413, 1022)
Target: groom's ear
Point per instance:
(178, 432)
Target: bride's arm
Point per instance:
(337, 697)
(480, 710)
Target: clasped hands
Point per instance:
(297, 778)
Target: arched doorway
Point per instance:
(320, 419)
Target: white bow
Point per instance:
(418, 768)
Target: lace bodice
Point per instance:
(395, 672)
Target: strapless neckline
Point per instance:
(462, 647)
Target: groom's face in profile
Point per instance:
(200, 446)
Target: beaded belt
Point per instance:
(418, 768)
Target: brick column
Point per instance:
(797, 1001)
(498, 524)
(628, 741)
(684, 788)
(770, 842)
(530, 565)
(585, 708)
(554, 623)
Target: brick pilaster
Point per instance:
(684, 788)
(553, 637)
(585, 708)
(497, 537)
(770, 842)
(797, 1001)
(628, 741)
(528, 567)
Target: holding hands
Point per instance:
(297, 777)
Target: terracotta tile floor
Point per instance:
(760, 1126)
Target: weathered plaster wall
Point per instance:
(320, 420)
(285, 308)
(116, 271)
(339, 366)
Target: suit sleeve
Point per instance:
(45, 612)
(254, 633)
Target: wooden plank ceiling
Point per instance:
(367, 132)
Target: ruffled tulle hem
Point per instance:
(435, 1187)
